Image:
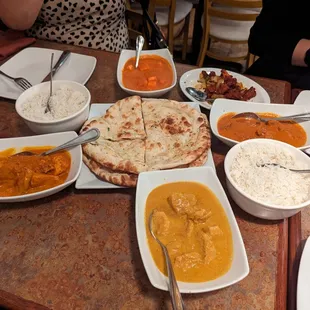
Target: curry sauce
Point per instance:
(21, 175)
(153, 73)
(241, 129)
(190, 221)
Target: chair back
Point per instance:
(239, 10)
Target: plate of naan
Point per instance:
(143, 135)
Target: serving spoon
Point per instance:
(300, 117)
(277, 165)
(199, 95)
(86, 137)
(139, 47)
(48, 107)
(176, 297)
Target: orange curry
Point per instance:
(21, 175)
(153, 73)
(240, 129)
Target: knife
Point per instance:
(62, 59)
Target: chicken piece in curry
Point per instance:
(190, 221)
(240, 129)
(21, 175)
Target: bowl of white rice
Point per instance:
(69, 107)
(268, 192)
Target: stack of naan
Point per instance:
(139, 136)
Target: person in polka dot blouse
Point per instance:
(98, 24)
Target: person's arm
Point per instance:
(19, 14)
(276, 34)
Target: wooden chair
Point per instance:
(227, 21)
(170, 13)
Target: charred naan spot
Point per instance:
(159, 144)
(138, 120)
(187, 124)
(183, 118)
(127, 125)
(200, 119)
(177, 144)
(169, 121)
(170, 125)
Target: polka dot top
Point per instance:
(96, 24)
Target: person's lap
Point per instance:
(299, 77)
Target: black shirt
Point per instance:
(279, 27)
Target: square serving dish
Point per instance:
(54, 139)
(222, 106)
(205, 175)
(127, 54)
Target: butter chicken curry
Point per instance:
(190, 221)
(153, 73)
(21, 175)
(240, 129)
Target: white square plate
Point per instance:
(87, 180)
(222, 106)
(303, 98)
(303, 283)
(147, 181)
(53, 139)
(33, 64)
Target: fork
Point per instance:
(21, 82)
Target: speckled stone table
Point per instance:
(78, 249)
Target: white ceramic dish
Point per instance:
(303, 98)
(87, 180)
(222, 106)
(33, 64)
(44, 140)
(190, 78)
(127, 54)
(205, 175)
(251, 205)
(303, 283)
(71, 122)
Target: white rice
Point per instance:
(271, 185)
(64, 102)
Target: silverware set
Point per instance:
(24, 84)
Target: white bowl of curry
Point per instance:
(155, 75)
(232, 131)
(194, 219)
(25, 178)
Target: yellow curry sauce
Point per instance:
(21, 175)
(241, 129)
(191, 222)
(153, 73)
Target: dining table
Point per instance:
(78, 249)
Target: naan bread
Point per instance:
(125, 155)
(177, 134)
(118, 178)
(123, 120)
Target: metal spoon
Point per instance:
(48, 108)
(296, 117)
(176, 297)
(199, 95)
(277, 165)
(139, 47)
(86, 137)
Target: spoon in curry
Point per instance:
(86, 137)
(139, 47)
(295, 117)
(176, 297)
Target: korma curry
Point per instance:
(21, 175)
(190, 221)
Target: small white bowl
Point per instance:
(45, 140)
(127, 54)
(251, 205)
(71, 122)
(223, 106)
(147, 181)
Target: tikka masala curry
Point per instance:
(21, 175)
